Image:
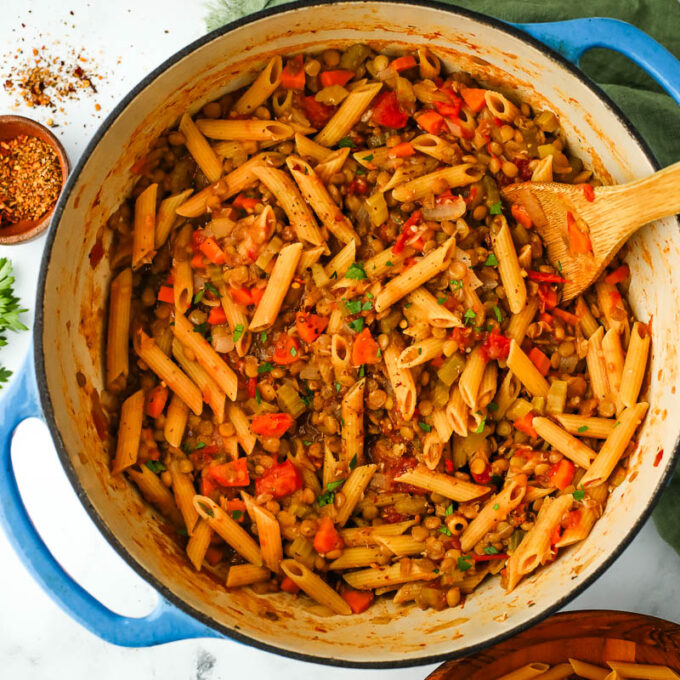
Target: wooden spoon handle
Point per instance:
(645, 200)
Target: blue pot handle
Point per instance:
(165, 623)
(574, 37)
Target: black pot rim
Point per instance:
(46, 399)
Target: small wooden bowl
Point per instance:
(11, 127)
(592, 636)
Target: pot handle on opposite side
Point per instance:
(165, 623)
(574, 37)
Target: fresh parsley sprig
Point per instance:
(10, 309)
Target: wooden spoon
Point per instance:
(609, 215)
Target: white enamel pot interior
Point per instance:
(72, 304)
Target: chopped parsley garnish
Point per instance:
(353, 306)
(199, 446)
(155, 466)
(408, 305)
(469, 316)
(238, 332)
(362, 371)
(360, 171)
(334, 275)
(498, 314)
(445, 531)
(496, 506)
(496, 208)
(449, 511)
(182, 531)
(266, 367)
(357, 324)
(258, 397)
(490, 550)
(199, 296)
(338, 387)
(201, 328)
(491, 261)
(493, 406)
(346, 141)
(353, 462)
(559, 266)
(356, 271)
(370, 295)
(293, 352)
(367, 306)
(463, 563)
(442, 300)
(456, 284)
(583, 428)
(496, 480)
(263, 337)
(389, 263)
(368, 158)
(328, 496)
(480, 427)
(212, 289)
(307, 442)
(420, 351)
(579, 494)
(425, 427)
(236, 515)
(206, 509)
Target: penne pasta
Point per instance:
(353, 490)
(353, 558)
(230, 530)
(262, 88)
(443, 484)
(348, 114)
(471, 377)
(197, 145)
(396, 574)
(353, 424)
(614, 446)
(401, 379)
(175, 421)
(244, 434)
(340, 264)
(519, 322)
(635, 365)
(434, 313)
(279, 282)
(206, 356)
(457, 412)
(183, 490)
(268, 533)
(508, 265)
(144, 234)
(588, 670)
(642, 671)
(565, 443)
(437, 182)
(156, 493)
(436, 147)
(613, 361)
(199, 543)
(415, 276)
(308, 148)
(252, 130)
(118, 332)
(520, 364)
(597, 428)
(240, 575)
(597, 369)
(168, 372)
(420, 352)
(167, 217)
(314, 586)
(365, 536)
(531, 670)
(129, 432)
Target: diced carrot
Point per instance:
(561, 474)
(166, 294)
(573, 519)
(198, 261)
(358, 600)
(327, 537)
(213, 555)
(246, 202)
(556, 534)
(271, 424)
(236, 505)
(588, 192)
(579, 242)
(403, 150)
(545, 277)
(539, 360)
(570, 318)
(547, 318)
(430, 121)
(212, 251)
(310, 326)
(155, 401)
(233, 473)
(242, 296)
(519, 212)
(474, 97)
(341, 77)
(526, 424)
(289, 586)
(217, 316)
(365, 349)
(618, 275)
(286, 350)
(256, 293)
(402, 63)
(293, 75)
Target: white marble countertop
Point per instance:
(37, 640)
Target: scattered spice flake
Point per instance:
(658, 458)
(43, 79)
(30, 178)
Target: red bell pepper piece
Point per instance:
(271, 424)
(387, 111)
(279, 481)
(234, 473)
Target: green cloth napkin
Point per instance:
(653, 113)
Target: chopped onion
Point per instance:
(222, 339)
(386, 74)
(310, 372)
(449, 210)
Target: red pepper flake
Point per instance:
(30, 179)
(658, 458)
(588, 192)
